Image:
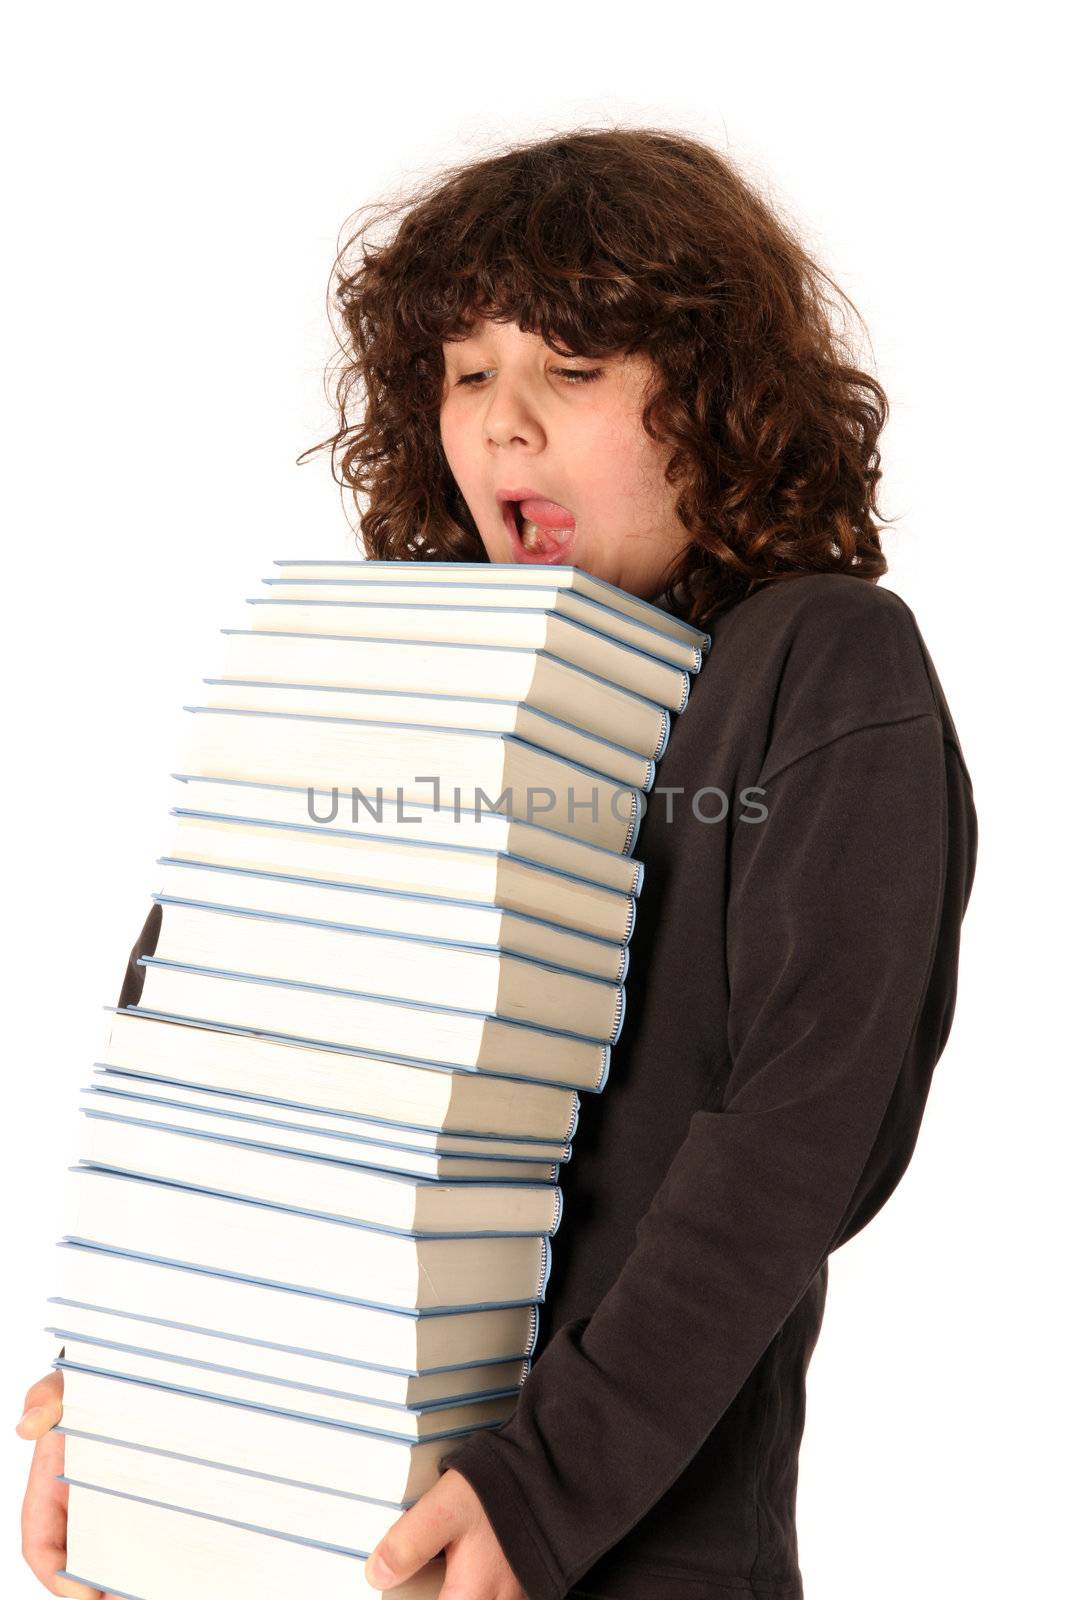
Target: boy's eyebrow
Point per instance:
(462, 339)
(475, 337)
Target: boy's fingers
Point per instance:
(44, 1508)
(46, 1388)
(44, 1522)
(37, 1421)
(42, 1407)
(419, 1535)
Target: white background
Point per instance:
(177, 178)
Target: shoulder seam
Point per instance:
(845, 733)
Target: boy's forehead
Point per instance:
(486, 330)
(482, 327)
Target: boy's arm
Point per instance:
(842, 943)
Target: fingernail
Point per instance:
(34, 1411)
(379, 1571)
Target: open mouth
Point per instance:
(532, 541)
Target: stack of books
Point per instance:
(311, 1233)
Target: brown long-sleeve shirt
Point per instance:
(810, 847)
(791, 987)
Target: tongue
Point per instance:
(546, 513)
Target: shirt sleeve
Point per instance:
(842, 939)
(144, 945)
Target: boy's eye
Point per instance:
(571, 374)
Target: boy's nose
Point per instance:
(510, 417)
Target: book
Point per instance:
(305, 1249)
(346, 1017)
(311, 1228)
(544, 683)
(137, 1548)
(424, 916)
(566, 592)
(311, 1132)
(311, 1449)
(286, 1370)
(361, 858)
(470, 713)
(472, 836)
(531, 627)
(326, 1516)
(508, 574)
(288, 1401)
(331, 1185)
(416, 762)
(389, 1090)
(390, 963)
(401, 1340)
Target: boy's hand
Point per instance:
(448, 1517)
(44, 1510)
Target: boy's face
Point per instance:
(514, 425)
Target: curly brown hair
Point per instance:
(606, 241)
